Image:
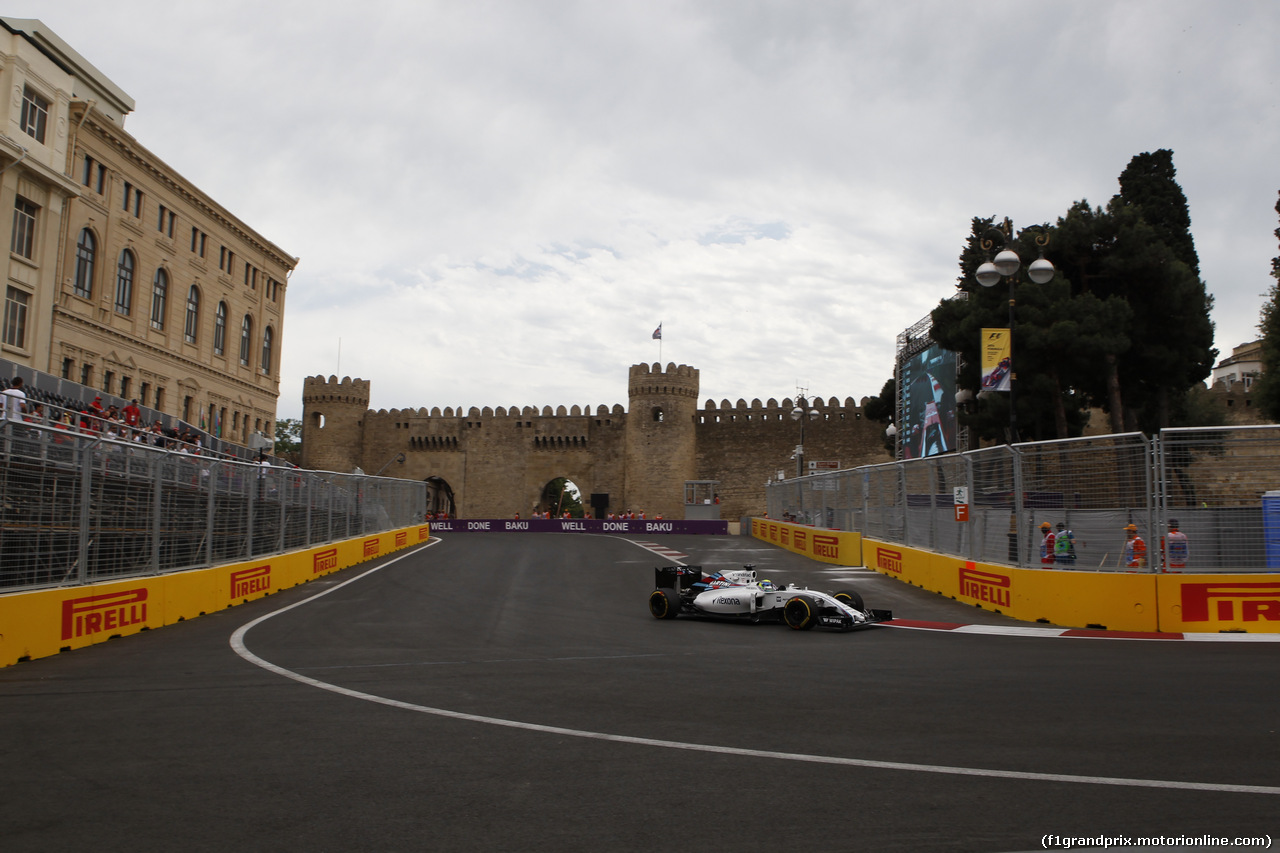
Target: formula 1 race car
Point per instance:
(737, 594)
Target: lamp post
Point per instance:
(799, 414)
(1006, 265)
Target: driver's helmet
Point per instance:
(767, 586)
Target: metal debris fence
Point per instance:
(1220, 485)
(80, 508)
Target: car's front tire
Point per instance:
(800, 613)
(664, 604)
(849, 597)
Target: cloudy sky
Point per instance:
(495, 203)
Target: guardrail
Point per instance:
(81, 507)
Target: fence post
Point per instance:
(1015, 525)
(86, 499)
(973, 515)
(307, 480)
(212, 480)
(904, 502)
(250, 486)
(282, 496)
(1161, 502)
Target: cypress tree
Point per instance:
(1266, 392)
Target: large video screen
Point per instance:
(928, 385)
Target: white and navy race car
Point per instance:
(737, 594)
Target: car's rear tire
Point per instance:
(664, 604)
(849, 597)
(800, 613)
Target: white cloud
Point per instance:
(496, 202)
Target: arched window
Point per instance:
(246, 339)
(193, 315)
(159, 293)
(124, 283)
(220, 330)
(86, 249)
(266, 350)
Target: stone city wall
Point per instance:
(496, 462)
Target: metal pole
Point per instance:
(86, 498)
(212, 481)
(1013, 366)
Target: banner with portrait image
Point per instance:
(928, 381)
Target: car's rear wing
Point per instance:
(676, 578)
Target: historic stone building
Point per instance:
(486, 463)
(122, 275)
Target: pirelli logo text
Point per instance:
(889, 560)
(800, 539)
(826, 546)
(1231, 602)
(248, 581)
(424, 533)
(325, 560)
(107, 612)
(985, 586)
(371, 547)
(402, 538)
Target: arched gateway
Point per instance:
(635, 460)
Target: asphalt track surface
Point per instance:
(509, 692)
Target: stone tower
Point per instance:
(661, 443)
(333, 415)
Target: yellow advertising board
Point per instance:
(830, 546)
(1213, 603)
(1117, 601)
(44, 622)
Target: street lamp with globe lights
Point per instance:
(799, 414)
(1006, 265)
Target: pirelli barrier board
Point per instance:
(44, 622)
(830, 546)
(1120, 601)
(1211, 603)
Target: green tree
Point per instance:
(884, 407)
(1123, 325)
(1154, 267)
(289, 439)
(1266, 392)
(1048, 341)
(560, 496)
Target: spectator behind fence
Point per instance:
(1178, 548)
(15, 400)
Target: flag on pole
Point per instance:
(657, 333)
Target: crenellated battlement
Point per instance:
(317, 389)
(495, 461)
(501, 413)
(777, 413)
(644, 380)
(787, 404)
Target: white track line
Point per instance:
(238, 645)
